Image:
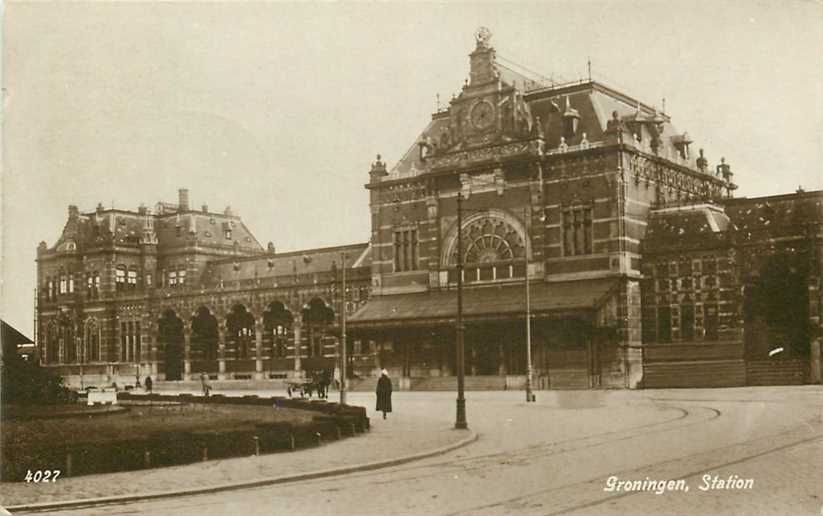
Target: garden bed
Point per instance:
(169, 430)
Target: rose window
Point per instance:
(492, 250)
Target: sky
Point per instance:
(277, 110)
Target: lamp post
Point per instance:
(460, 423)
(343, 334)
(529, 395)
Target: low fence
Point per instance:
(332, 422)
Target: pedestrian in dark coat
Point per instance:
(148, 383)
(384, 393)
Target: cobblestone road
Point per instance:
(556, 456)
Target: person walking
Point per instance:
(384, 393)
(204, 383)
(148, 383)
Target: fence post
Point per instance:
(256, 445)
(146, 458)
(205, 453)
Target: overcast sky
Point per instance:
(278, 109)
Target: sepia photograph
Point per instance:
(412, 258)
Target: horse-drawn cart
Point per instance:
(318, 383)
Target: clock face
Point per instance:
(482, 115)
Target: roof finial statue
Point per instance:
(702, 162)
(482, 35)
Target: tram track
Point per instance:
(595, 484)
(534, 452)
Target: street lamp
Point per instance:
(529, 395)
(343, 334)
(461, 400)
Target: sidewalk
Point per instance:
(400, 436)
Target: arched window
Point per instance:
(63, 283)
(91, 339)
(71, 283)
(492, 250)
(49, 288)
(52, 351)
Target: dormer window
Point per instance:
(571, 120)
(227, 234)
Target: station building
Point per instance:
(639, 266)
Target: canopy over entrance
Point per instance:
(497, 302)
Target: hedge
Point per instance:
(331, 422)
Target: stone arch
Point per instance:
(317, 317)
(171, 340)
(512, 227)
(278, 329)
(204, 340)
(239, 332)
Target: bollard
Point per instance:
(205, 453)
(319, 438)
(68, 464)
(146, 459)
(353, 429)
(291, 441)
(256, 445)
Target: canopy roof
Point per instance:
(572, 298)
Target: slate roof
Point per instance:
(125, 228)
(701, 225)
(594, 103)
(498, 301)
(308, 261)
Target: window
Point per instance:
(137, 341)
(664, 324)
(71, 283)
(710, 321)
(49, 289)
(132, 279)
(63, 283)
(93, 285)
(227, 234)
(148, 280)
(172, 278)
(130, 341)
(181, 276)
(120, 278)
(124, 342)
(577, 231)
(405, 250)
(687, 322)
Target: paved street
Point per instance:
(556, 457)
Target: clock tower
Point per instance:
(489, 109)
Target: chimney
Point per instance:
(183, 199)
